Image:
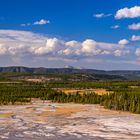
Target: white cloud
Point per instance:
(134, 26)
(3, 49)
(128, 12)
(22, 45)
(115, 27)
(123, 42)
(41, 22)
(15, 36)
(73, 43)
(52, 44)
(137, 52)
(102, 15)
(89, 46)
(27, 24)
(105, 52)
(135, 38)
(121, 52)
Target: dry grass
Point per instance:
(101, 91)
(6, 115)
(60, 112)
(82, 91)
(10, 82)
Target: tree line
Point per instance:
(125, 96)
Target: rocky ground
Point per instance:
(49, 121)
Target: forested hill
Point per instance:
(130, 75)
(49, 70)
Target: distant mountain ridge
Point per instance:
(129, 74)
(46, 70)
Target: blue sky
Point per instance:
(82, 33)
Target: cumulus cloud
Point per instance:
(20, 45)
(102, 15)
(89, 46)
(72, 43)
(3, 49)
(134, 26)
(41, 22)
(115, 27)
(51, 46)
(137, 52)
(128, 12)
(123, 42)
(121, 52)
(135, 38)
